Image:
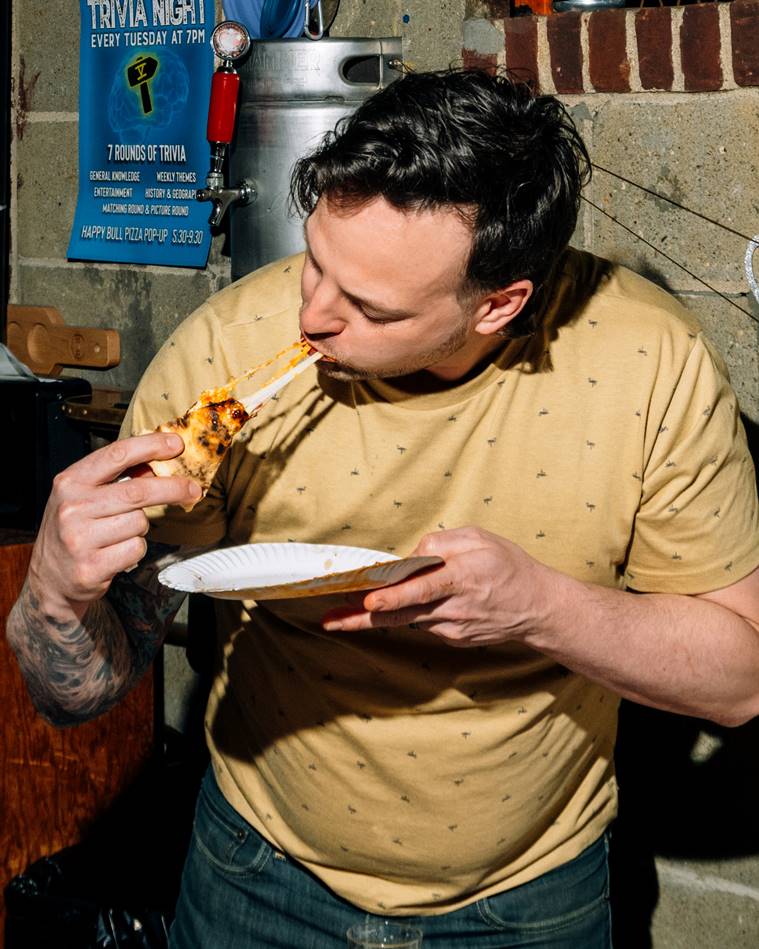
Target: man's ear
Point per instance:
(496, 310)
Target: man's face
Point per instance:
(379, 291)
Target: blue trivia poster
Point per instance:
(144, 86)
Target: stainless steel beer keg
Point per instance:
(292, 93)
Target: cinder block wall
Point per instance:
(665, 97)
(668, 98)
(143, 303)
(625, 75)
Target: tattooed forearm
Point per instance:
(76, 670)
(143, 605)
(73, 670)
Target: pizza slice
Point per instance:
(207, 431)
(209, 425)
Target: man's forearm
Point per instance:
(680, 653)
(697, 655)
(77, 668)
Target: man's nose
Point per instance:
(320, 314)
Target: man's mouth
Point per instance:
(326, 357)
(328, 363)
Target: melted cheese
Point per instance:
(221, 393)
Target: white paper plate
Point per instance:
(283, 571)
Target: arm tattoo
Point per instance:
(143, 605)
(77, 670)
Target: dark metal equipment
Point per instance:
(293, 92)
(41, 442)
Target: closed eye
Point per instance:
(380, 318)
(374, 319)
(377, 317)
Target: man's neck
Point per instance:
(467, 361)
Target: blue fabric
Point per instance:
(247, 12)
(265, 20)
(281, 18)
(239, 893)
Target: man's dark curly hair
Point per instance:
(511, 162)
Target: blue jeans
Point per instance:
(238, 892)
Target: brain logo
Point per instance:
(169, 89)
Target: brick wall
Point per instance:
(703, 47)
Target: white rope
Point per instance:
(753, 245)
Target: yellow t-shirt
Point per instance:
(409, 776)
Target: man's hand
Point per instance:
(696, 655)
(488, 591)
(94, 526)
(78, 652)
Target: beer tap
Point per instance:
(230, 41)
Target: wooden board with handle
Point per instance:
(39, 337)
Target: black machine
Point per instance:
(40, 442)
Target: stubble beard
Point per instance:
(345, 372)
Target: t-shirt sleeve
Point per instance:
(185, 365)
(697, 527)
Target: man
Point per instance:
(556, 429)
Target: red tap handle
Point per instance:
(222, 109)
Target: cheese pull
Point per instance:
(209, 425)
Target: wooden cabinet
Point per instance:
(55, 782)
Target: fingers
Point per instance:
(79, 537)
(94, 526)
(94, 550)
(94, 529)
(138, 493)
(433, 619)
(412, 600)
(350, 621)
(421, 589)
(108, 463)
(77, 498)
(449, 542)
(91, 575)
